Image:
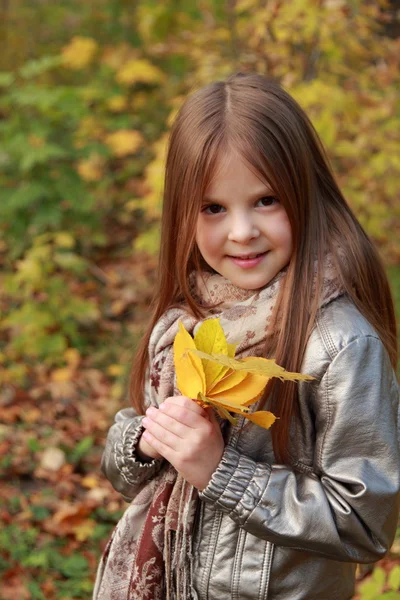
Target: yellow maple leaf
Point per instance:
(207, 371)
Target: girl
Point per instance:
(256, 232)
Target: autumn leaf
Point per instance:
(79, 53)
(255, 365)
(190, 375)
(117, 104)
(91, 169)
(207, 371)
(84, 530)
(139, 71)
(124, 142)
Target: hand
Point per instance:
(188, 436)
(145, 452)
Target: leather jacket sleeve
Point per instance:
(346, 505)
(126, 473)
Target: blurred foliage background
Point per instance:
(87, 94)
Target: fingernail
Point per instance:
(150, 411)
(145, 421)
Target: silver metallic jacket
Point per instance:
(266, 530)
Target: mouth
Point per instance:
(248, 256)
(248, 261)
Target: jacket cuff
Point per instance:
(132, 469)
(233, 481)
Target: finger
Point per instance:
(183, 415)
(185, 402)
(159, 446)
(168, 422)
(168, 438)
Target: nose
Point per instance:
(243, 229)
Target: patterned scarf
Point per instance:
(149, 554)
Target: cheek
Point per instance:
(200, 236)
(283, 235)
(208, 238)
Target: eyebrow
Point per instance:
(254, 196)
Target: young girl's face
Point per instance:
(243, 231)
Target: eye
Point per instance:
(268, 201)
(212, 209)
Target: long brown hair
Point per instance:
(255, 116)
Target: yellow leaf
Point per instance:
(190, 378)
(226, 403)
(246, 390)
(232, 350)
(117, 103)
(79, 52)
(139, 71)
(255, 365)
(84, 530)
(221, 410)
(124, 141)
(264, 418)
(72, 357)
(115, 370)
(255, 399)
(62, 375)
(89, 481)
(92, 168)
(231, 385)
(229, 380)
(64, 239)
(210, 338)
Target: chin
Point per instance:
(248, 285)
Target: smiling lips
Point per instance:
(248, 261)
(247, 256)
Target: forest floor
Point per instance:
(57, 510)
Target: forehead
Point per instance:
(232, 173)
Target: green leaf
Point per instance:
(6, 79)
(36, 67)
(40, 513)
(38, 559)
(74, 566)
(81, 449)
(379, 577)
(34, 589)
(41, 155)
(70, 261)
(394, 578)
(369, 590)
(25, 196)
(33, 445)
